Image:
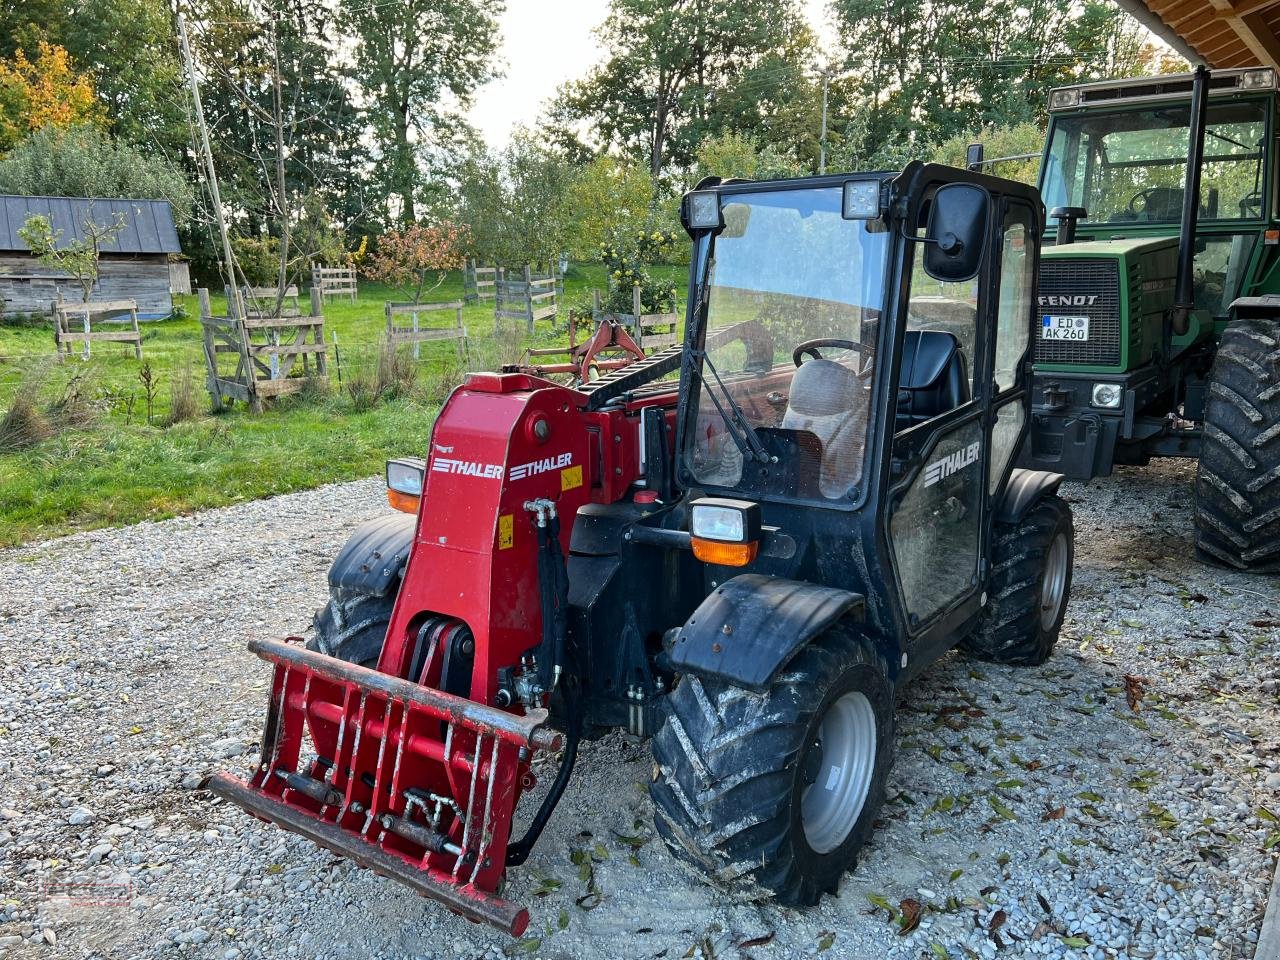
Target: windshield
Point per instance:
(790, 280)
(1130, 167)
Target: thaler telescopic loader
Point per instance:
(739, 548)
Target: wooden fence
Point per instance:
(262, 301)
(73, 323)
(261, 370)
(651, 331)
(520, 294)
(419, 329)
(334, 281)
(478, 282)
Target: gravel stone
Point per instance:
(1137, 762)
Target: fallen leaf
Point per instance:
(1079, 943)
(956, 875)
(529, 944)
(1044, 904)
(1000, 808)
(761, 941)
(910, 918)
(590, 901)
(939, 951)
(997, 921)
(880, 901)
(825, 940)
(1054, 813)
(564, 919)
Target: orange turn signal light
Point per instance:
(403, 501)
(724, 554)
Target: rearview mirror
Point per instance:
(956, 236)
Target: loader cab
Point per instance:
(856, 363)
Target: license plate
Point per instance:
(1064, 328)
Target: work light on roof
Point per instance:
(1067, 97)
(1258, 80)
(703, 210)
(861, 199)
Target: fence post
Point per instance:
(317, 310)
(210, 350)
(528, 298)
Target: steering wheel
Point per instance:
(1145, 197)
(811, 347)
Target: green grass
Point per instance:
(119, 468)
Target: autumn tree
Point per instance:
(410, 257)
(44, 91)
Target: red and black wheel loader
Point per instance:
(740, 548)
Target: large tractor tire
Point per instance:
(774, 794)
(1029, 587)
(1238, 478)
(363, 584)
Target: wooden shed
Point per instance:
(135, 266)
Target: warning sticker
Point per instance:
(571, 478)
(506, 531)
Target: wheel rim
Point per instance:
(845, 752)
(1054, 584)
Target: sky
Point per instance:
(545, 44)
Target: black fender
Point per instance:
(747, 629)
(1022, 491)
(373, 560)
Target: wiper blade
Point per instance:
(743, 434)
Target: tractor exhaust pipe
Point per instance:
(1184, 298)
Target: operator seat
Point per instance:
(827, 399)
(933, 378)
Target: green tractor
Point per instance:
(1159, 295)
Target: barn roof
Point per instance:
(1217, 33)
(148, 224)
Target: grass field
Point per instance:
(106, 463)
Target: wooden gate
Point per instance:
(334, 281)
(478, 282)
(418, 330)
(523, 295)
(255, 358)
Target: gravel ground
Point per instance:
(1113, 803)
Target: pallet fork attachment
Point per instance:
(409, 781)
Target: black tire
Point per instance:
(1029, 587)
(1238, 478)
(352, 625)
(732, 771)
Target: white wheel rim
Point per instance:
(832, 803)
(1054, 585)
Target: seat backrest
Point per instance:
(933, 378)
(826, 399)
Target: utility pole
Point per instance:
(207, 155)
(822, 142)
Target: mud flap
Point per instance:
(414, 783)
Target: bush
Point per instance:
(259, 259)
(23, 425)
(183, 404)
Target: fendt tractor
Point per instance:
(1160, 298)
(740, 548)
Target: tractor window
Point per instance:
(937, 367)
(1130, 166)
(1013, 323)
(795, 291)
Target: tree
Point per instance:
(670, 66)
(738, 155)
(78, 256)
(412, 58)
(46, 91)
(922, 73)
(85, 162)
(606, 193)
(407, 258)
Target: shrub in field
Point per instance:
(411, 257)
(24, 424)
(183, 404)
(259, 259)
(627, 256)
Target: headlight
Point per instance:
(1258, 80)
(404, 483)
(724, 531)
(1064, 98)
(702, 209)
(1107, 395)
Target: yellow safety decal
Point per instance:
(571, 478)
(506, 531)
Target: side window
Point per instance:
(938, 353)
(1016, 284)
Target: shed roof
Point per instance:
(1217, 33)
(148, 224)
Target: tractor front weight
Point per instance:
(412, 782)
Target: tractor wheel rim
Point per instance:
(832, 803)
(1054, 584)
